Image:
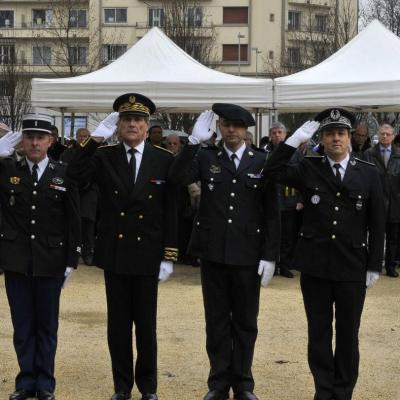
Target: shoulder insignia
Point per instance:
(364, 162)
(162, 148)
(60, 162)
(86, 141)
(314, 157)
(107, 145)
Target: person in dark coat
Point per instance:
(340, 247)
(236, 235)
(88, 199)
(39, 246)
(360, 140)
(386, 157)
(56, 148)
(136, 241)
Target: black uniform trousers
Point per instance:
(335, 373)
(392, 249)
(132, 299)
(289, 231)
(88, 235)
(231, 300)
(34, 305)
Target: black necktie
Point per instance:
(132, 165)
(338, 176)
(35, 173)
(233, 156)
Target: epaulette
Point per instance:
(107, 145)
(314, 157)
(364, 162)
(162, 148)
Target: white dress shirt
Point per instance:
(239, 153)
(343, 165)
(41, 166)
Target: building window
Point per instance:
(112, 51)
(115, 15)
(77, 19)
(235, 15)
(42, 18)
(195, 16)
(293, 55)
(7, 54)
(271, 55)
(41, 55)
(77, 55)
(294, 19)
(6, 18)
(321, 23)
(230, 52)
(156, 17)
(271, 17)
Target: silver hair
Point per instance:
(277, 125)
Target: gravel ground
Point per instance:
(280, 368)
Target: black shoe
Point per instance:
(245, 395)
(121, 396)
(21, 395)
(285, 272)
(45, 395)
(392, 273)
(149, 396)
(216, 395)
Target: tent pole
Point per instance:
(62, 125)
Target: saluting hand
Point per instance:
(106, 128)
(266, 270)
(8, 143)
(202, 128)
(303, 134)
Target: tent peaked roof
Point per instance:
(158, 68)
(364, 74)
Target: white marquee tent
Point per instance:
(364, 74)
(157, 67)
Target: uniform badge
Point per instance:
(315, 199)
(251, 154)
(15, 180)
(353, 162)
(51, 166)
(359, 205)
(335, 114)
(219, 154)
(57, 180)
(210, 187)
(215, 169)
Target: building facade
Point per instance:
(249, 37)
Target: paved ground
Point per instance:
(280, 367)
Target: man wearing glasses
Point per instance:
(236, 236)
(387, 158)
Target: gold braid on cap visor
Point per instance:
(137, 107)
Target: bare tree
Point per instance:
(186, 23)
(386, 11)
(15, 86)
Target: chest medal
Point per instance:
(315, 199)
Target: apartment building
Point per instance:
(65, 37)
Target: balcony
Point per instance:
(45, 30)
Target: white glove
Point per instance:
(303, 134)
(67, 276)
(8, 143)
(266, 270)
(372, 278)
(166, 269)
(202, 128)
(107, 127)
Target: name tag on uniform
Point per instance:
(61, 188)
(158, 181)
(255, 176)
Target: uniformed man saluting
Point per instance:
(136, 240)
(340, 247)
(39, 238)
(236, 235)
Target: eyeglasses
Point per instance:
(385, 134)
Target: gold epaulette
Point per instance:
(171, 254)
(162, 148)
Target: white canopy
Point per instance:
(156, 67)
(365, 73)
